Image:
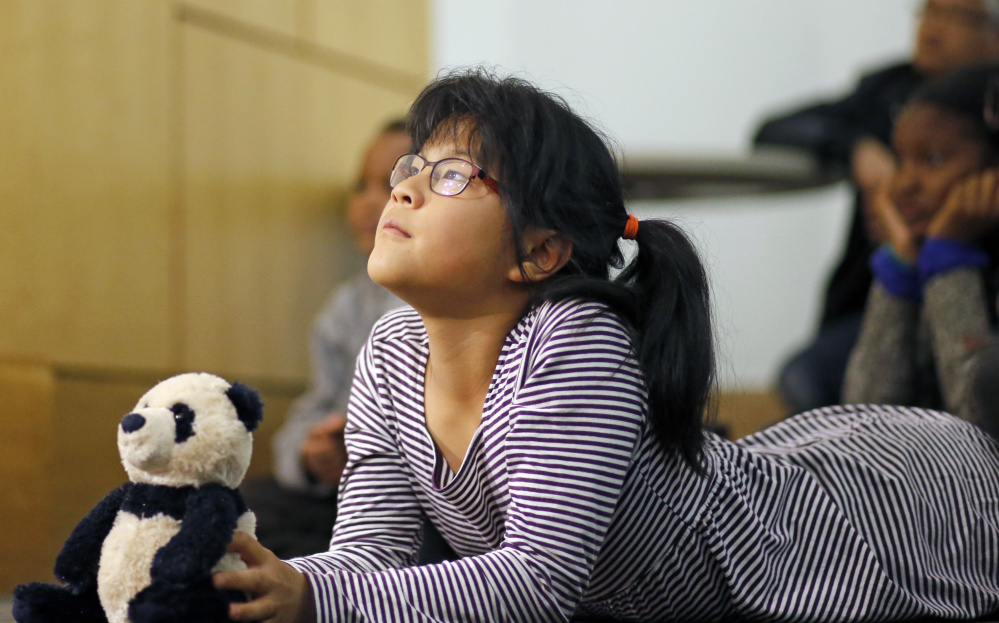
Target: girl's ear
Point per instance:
(547, 252)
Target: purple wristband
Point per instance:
(940, 255)
(897, 277)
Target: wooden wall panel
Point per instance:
(171, 198)
(386, 34)
(26, 460)
(122, 121)
(85, 190)
(288, 17)
(392, 33)
(271, 146)
(88, 411)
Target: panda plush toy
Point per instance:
(147, 551)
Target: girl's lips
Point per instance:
(391, 226)
(912, 212)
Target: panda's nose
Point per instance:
(132, 422)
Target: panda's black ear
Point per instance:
(249, 408)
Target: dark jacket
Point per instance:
(828, 131)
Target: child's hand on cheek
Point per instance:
(887, 224)
(280, 593)
(971, 208)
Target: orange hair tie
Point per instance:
(630, 228)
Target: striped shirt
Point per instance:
(565, 506)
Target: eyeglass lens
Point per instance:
(448, 177)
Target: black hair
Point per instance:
(397, 125)
(555, 171)
(971, 93)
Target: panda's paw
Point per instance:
(200, 603)
(40, 603)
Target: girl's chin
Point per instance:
(918, 228)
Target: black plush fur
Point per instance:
(181, 588)
(48, 602)
(249, 407)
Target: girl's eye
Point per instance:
(455, 175)
(934, 158)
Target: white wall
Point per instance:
(663, 76)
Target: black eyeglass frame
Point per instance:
(477, 172)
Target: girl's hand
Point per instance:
(280, 593)
(885, 218)
(872, 165)
(323, 450)
(971, 208)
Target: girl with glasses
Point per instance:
(546, 417)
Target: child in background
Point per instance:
(297, 507)
(546, 418)
(307, 457)
(931, 304)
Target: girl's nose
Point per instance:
(905, 180)
(411, 191)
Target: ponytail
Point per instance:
(674, 345)
(663, 295)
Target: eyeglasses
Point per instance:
(448, 177)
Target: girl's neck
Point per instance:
(464, 351)
(462, 358)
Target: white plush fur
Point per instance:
(126, 558)
(218, 452)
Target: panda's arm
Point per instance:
(210, 517)
(77, 563)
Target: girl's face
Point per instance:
(935, 150)
(455, 253)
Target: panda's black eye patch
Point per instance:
(183, 419)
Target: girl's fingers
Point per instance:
(248, 581)
(984, 196)
(966, 194)
(883, 208)
(961, 197)
(894, 225)
(257, 610)
(248, 548)
(277, 589)
(991, 204)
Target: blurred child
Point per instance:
(852, 134)
(931, 306)
(296, 509)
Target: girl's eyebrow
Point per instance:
(458, 153)
(450, 148)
